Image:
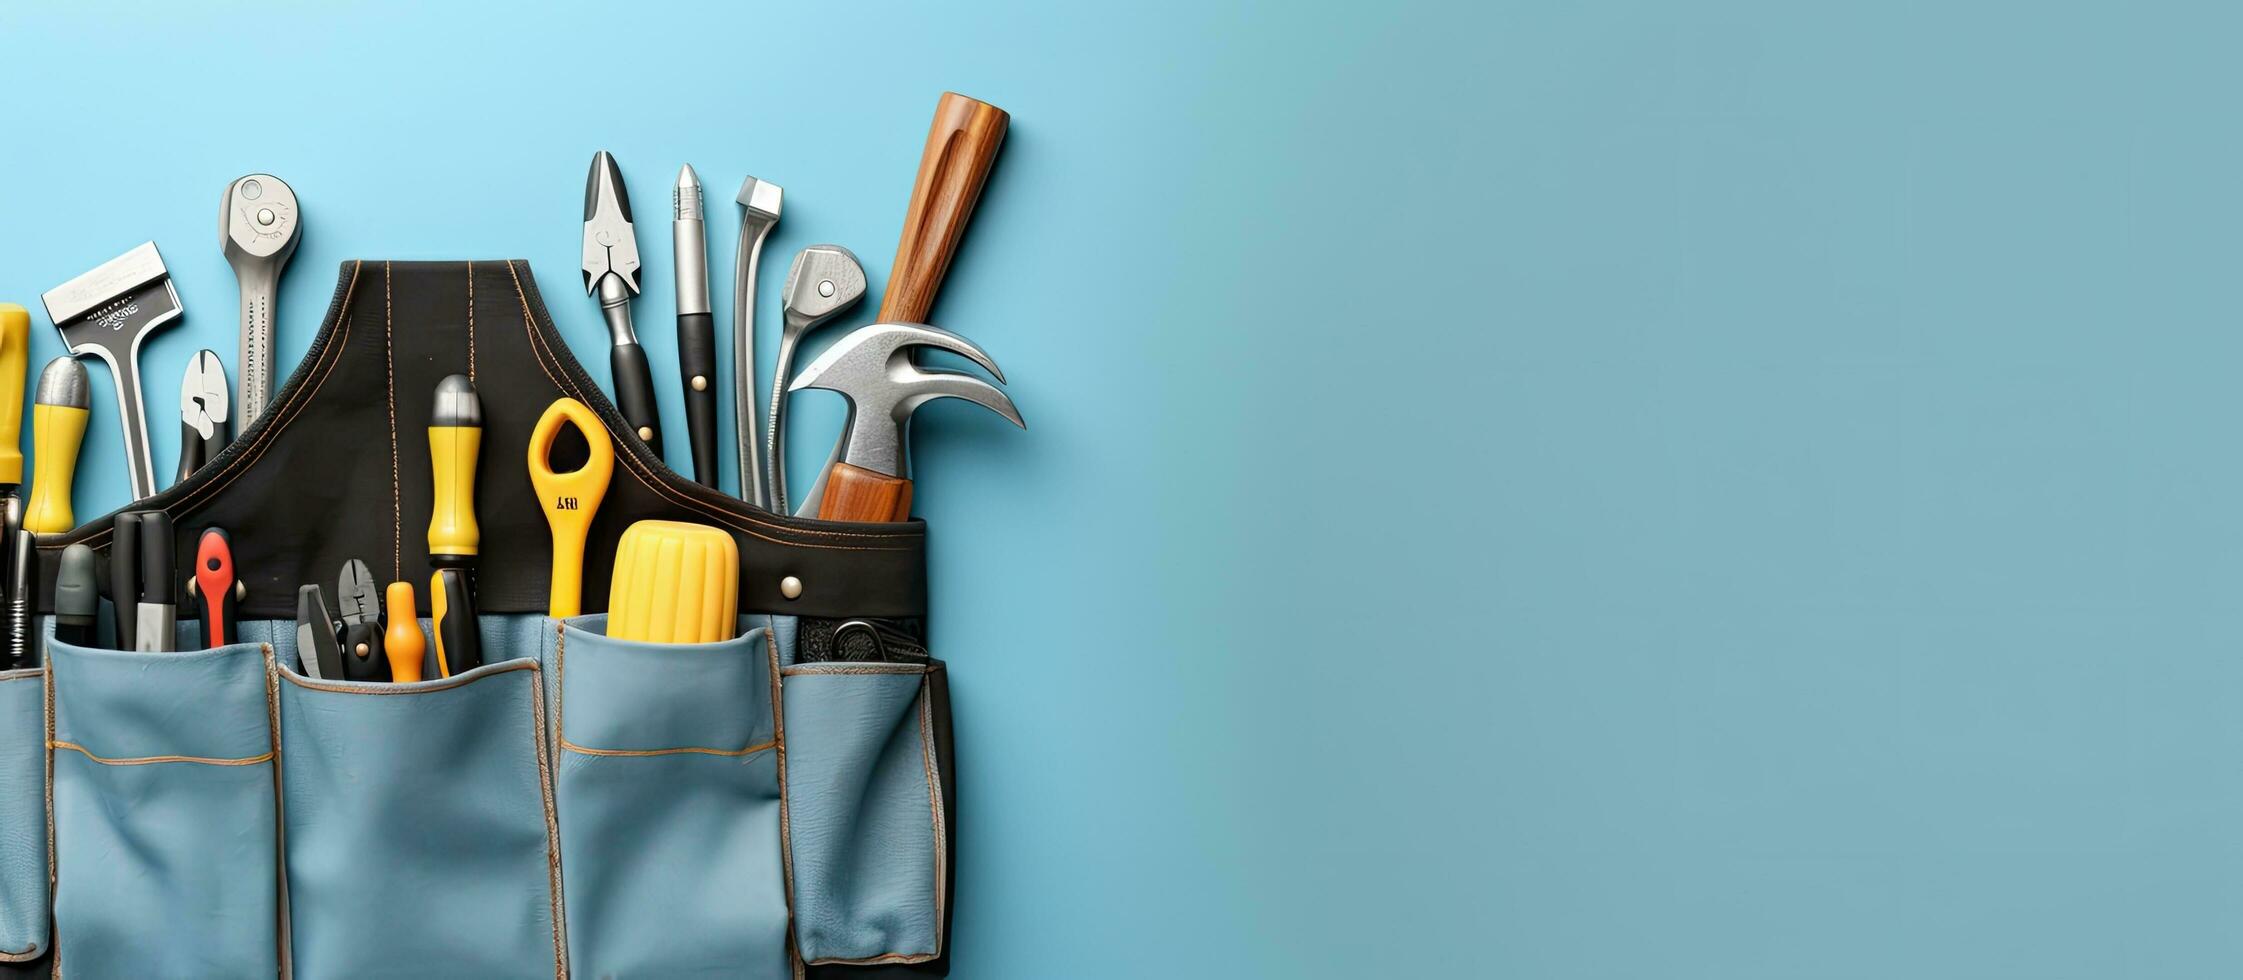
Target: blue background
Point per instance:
(1616, 489)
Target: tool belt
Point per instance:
(773, 805)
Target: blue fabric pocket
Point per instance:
(420, 827)
(866, 824)
(23, 815)
(668, 787)
(165, 813)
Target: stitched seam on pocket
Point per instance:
(934, 797)
(845, 670)
(681, 750)
(552, 831)
(32, 951)
(149, 760)
(471, 322)
(392, 690)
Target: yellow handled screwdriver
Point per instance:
(404, 643)
(58, 427)
(455, 437)
(569, 499)
(15, 359)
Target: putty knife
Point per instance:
(108, 313)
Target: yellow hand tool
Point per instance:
(674, 583)
(404, 643)
(455, 437)
(569, 499)
(58, 426)
(15, 359)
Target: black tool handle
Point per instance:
(372, 664)
(158, 567)
(697, 366)
(124, 576)
(23, 567)
(190, 452)
(634, 393)
(459, 639)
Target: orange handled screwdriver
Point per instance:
(404, 643)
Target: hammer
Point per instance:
(869, 481)
(960, 151)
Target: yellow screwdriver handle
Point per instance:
(56, 431)
(15, 359)
(569, 499)
(455, 437)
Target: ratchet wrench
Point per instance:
(257, 228)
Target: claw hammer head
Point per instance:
(872, 368)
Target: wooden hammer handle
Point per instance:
(863, 496)
(961, 147)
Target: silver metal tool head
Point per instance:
(823, 283)
(258, 219)
(456, 403)
(611, 245)
(203, 394)
(872, 368)
(361, 596)
(760, 199)
(685, 196)
(131, 289)
(63, 382)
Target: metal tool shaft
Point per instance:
(759, 210)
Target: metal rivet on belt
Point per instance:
(790, 587)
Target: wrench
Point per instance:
(257, 228)
(824, 282)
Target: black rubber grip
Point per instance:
(634, 393)
(697, 358)
(124, 577)
(457, 630)
(158, 569)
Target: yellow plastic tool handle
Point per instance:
(569, 499)
(452, 532)
(15, 359)
(56, 432)
(405, 645)
(674, 583)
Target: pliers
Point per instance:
(203, 413)
(611, 272)
(362, 624)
